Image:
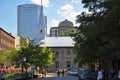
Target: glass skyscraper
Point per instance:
(31, 21)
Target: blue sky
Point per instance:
(55, 10)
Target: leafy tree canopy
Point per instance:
(99, 32)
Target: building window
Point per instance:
(56, 64)
(62, 54)
(56, 54)
(68, 54)
(68, 64)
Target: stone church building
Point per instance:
(62, 48)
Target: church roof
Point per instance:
(57, 42)
(66, 23)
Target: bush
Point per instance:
(17, 75)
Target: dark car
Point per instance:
(87, 74)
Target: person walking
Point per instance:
(33, 72)
(99, 75)
(63, 72)
(119, 75)
(112, 73)
(3, 75)
(58, 73)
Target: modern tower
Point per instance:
(31, 21)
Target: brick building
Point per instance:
(62, 28)
(6, 40)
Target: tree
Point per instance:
(36, 55)
(62, 34)
(3, 58)
(47, 56)
(86, 49)
(99, 30)
(68, 32)
(9, 57)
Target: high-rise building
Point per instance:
(31, 21)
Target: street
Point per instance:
(53, 76)
(61, 78)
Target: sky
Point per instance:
(55, 10)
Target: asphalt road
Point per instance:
(60, 78)
(53, 76)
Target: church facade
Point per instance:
(62, 48)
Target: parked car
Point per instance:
(87, 74)
(72, 72)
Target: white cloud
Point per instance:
(54, 23)
(64, 10)
(68, 12)
(72, 17)
(76, 1)
(45, 3)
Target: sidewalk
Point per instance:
(53, 76)
(47, 75)
(50, 75)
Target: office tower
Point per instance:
(31, 21)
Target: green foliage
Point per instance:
(44, 57)
(37, 56)
(68, 32)
(62, 34)
(2, 58)
(8, 56)
(98, 35)
(13, 76)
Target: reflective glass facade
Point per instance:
(30, 21)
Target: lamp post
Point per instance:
(24, 66)
(22, 70)
(24, 61)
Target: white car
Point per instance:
(72, 72)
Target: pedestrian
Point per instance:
(99, 75)
(112, 73)
(119, 75)
(58, 73)
(63, 72)
(33, 72)
(106, 76)
(2, 75)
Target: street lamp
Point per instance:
(22, 68)
(24, 61)
(23, 65)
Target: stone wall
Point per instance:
(63, 56)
